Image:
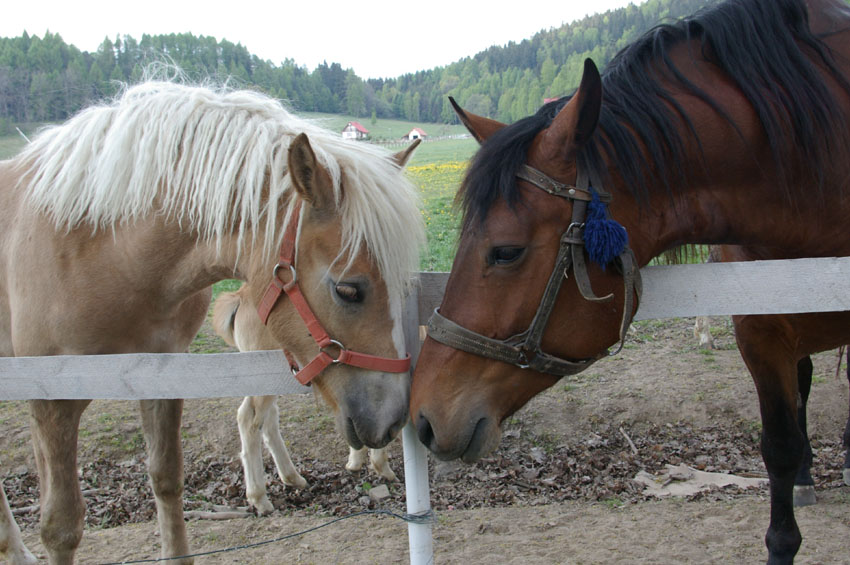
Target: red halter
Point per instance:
(293, 291)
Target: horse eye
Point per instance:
(349, 293)
(505, 255)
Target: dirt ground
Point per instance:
(559, 490)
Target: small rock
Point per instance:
(488, 528)
(379, 493)
(538, 454)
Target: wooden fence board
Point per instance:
(759, 287)
(147, 375)
(753, 287)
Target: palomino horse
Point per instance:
(728, 127)
(258, 416)
(116, 223)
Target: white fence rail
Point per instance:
(760, 287)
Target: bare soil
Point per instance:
(559, 490)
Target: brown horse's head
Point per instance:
(354, 284)
(507, 249)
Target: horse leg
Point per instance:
(702, 325)
(702, 331)
(804, 485)
(55, 428)
(11, 544)
(356, 458)
(161, 425)
(249, 418)
(379, 462)
(772, 367)
(274, 442)
(847, 433)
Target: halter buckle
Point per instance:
(280, 266)
(523, 362)
(573, 235)
(341, 347)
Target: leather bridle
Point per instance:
(523, 350)
(292, 289)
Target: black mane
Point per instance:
(755, 42)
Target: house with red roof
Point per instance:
(354, 130)
(416, 133)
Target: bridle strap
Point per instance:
(523, 349)
(586, 177)
(293, 291)
(546, 183)
(286, 259)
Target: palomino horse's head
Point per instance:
(511, 235)
(346, 287)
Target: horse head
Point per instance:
(513, 238)
(351, 309)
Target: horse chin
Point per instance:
(485, 438)
(351, 434)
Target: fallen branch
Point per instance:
(25, 510)
(628, 439)
(35, 507)
(211, 515)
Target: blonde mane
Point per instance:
(203, 157)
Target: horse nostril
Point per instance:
(424, 430)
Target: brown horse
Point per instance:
(116, 223)
(728, 127)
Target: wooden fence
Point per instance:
(760, 287)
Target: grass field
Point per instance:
(438, 184)
(10, 145)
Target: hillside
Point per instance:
(45, 79)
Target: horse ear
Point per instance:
(402, 157)
(480, 127)
(577, 120)
(310, 179)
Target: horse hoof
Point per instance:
(847, 477)
(384, 472)
(21, 556)
(804, 495)
(297, 481)
(264, 506)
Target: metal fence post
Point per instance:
(415, 456)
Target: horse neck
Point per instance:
(731, 189)
(176, 262)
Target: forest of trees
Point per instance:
(45, 79)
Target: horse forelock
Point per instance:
(492, 172)
(380, 209)
(215, 160)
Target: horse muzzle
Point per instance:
(477, 437)
(372, 416)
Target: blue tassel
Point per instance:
(604, 238)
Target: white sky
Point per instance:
(377, 38)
